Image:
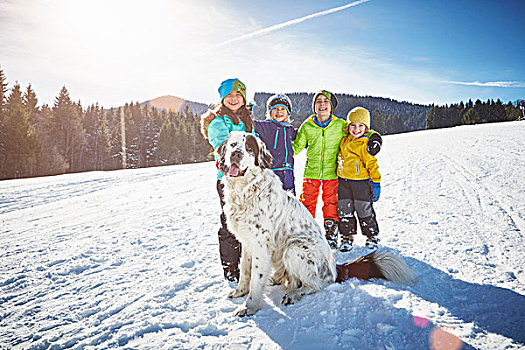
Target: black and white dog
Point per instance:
(278, 234)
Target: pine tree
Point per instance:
(378, 121)
(431, 118)
(68, 129)
(132, 124)
(3, 131)
(31, 102)
(149, 136)
(497, 112)
(167, 151)
(96, 139)
(455, 115)
(50, 161)
(513, 112)
(21, 145)
(115, 140)
(3, 90)
(103, 154)
(471, 116)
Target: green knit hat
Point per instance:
(329, 96)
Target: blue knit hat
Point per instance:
(231, 85)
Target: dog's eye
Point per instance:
(233, 144)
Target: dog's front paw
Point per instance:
(237, 293)
(292, 297)
(287, 300)
(246, 311)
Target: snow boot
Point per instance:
(346, 244)
(371, 242)
(331, 232)
(370, 229)
(348, 228)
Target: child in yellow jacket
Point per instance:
(359, 181)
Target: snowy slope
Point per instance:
(130, 258)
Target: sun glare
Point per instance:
(111, 23)
(119, 37)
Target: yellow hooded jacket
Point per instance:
(354, 162)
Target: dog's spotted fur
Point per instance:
(274, 228)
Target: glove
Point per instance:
(374, 143)
(376, 190)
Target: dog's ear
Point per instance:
(220, 151)
(263, 158)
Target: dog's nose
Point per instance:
(236, 156)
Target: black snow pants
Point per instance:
(355, 196)
(229, 246)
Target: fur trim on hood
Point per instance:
(220, 110)
(206, 119)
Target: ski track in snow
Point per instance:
(129, 258)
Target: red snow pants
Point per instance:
(310, 194)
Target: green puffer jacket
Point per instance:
(323, 147)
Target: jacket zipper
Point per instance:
(285, 148)
(322, 156)
(276, 137)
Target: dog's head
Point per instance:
(240, 153)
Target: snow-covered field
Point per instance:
(130, 258)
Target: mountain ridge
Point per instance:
(175, 103)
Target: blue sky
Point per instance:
(112, 52)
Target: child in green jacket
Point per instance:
(321, 133)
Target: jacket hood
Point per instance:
(220, 110)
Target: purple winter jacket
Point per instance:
(278, 139)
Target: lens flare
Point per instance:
(420, 322)
(442, 340)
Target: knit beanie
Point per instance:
(231, 85)
(329, 96)
(359, 115)
(278, 100)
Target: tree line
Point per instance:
(67, 138)
(474, 113)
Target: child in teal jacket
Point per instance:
(229, 115)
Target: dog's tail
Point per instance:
(382, 265)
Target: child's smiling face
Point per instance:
(234, 101)
(322, 107)
(357, 129)
(279, 114)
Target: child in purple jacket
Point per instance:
(277, 134)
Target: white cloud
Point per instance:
(502, 84)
